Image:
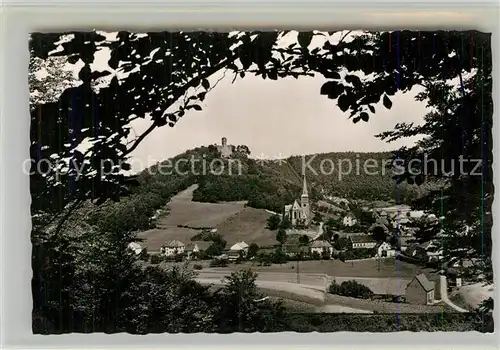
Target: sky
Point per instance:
(275, 119)
(278, 119)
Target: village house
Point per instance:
(135, 247)
(400, 219)
(416, 251)
(458, 270)
(299, 214)
(385, 250)
(435, 254)
(321, 247)
(420, 290)
(237, 250)
(362, 241)
(349, 220)
(428, 251)
(173, 248)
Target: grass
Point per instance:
(155, 238)
(385, 307)
(232, 220)
(183, 211)
(457, 299)
(336, 268)
(248, 225)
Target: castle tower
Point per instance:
(225, 149)
(304, 202)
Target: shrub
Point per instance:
(350, 289)
(219, 263)
(156, 259)
(197, 267)
(355, 254)
(179, 257)
(273, 222)
(279, 257)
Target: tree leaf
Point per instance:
(332, 89)
(205, 83)
(327, 88)
(331, 75)
(371, 108)
(387, 102)
(73, 59)
(202, 96)
(344, 103)
(354, 80)
(356, 119)
(304, 38)
(272, 75)
(246, 60)
(197, 107)
(364, 116)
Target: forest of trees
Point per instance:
(84, 278)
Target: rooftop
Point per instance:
(424, 282)
(174, 244)
(320, 244)
(362, 239)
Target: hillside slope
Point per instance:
(262, 185)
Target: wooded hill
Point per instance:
(265, 185)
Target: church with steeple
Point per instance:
(299, 213)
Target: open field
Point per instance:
(183, 211)
(336, 268)
(155, 238)
(232, 220)
(474, 294)
(248, 225)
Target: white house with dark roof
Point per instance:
(239, 247)
(349, 220)
(385, 250)
(173, 247)
(135, 247)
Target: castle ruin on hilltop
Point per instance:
(224, 149)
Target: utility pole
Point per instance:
(298, 272)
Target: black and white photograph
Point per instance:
(261, 181)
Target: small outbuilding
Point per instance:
(420, 290)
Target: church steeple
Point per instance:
(304, 188)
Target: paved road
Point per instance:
(292, 291)
(444, 294)
(311, 289)
(315, 281)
